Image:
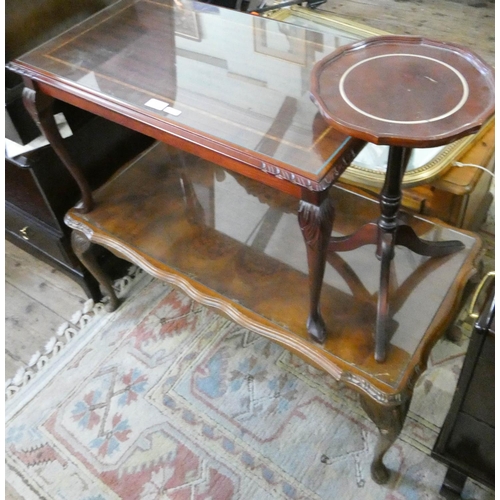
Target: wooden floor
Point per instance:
(38, 299)
(446, 20)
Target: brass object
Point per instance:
(472, 308)
(24, 233)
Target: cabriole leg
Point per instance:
(389, 421)
(40, 107)
(82, 247)
(316, 223)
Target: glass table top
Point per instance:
(241, 79)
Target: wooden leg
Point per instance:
(40, 107)
(316, 223)
(82, 247)
(365, 235)
(386, 233)
(386, 251)
(453, 484)
(406, 237)
(389, 421)
(390, 201)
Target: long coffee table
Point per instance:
(245, 155)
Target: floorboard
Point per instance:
(42, 282)
(449, 21)
(38, 299)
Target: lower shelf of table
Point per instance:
(234, 244)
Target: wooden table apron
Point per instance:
(386, 405)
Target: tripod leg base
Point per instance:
(406, 237)
(365, 235)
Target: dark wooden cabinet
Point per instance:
(29, 23)
(38, 188)
(466, 443)
(39, 191)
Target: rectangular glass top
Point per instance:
(238, 79)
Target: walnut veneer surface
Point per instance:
(235, 244)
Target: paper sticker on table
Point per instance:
(172, 111)
(157, 104)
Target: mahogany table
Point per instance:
(213, 207)
(192, 75)
(403, 92)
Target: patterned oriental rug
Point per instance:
(165, 399)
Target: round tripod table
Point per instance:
(404, 92)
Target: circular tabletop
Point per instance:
(404, 91)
